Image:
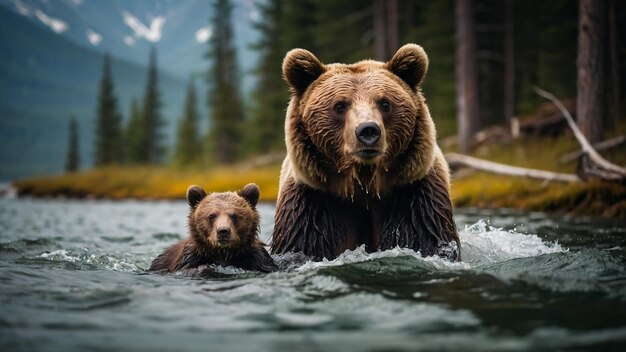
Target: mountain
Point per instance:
(128, 29)
(44, 79)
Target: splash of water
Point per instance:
(481, 244)
(90, 260)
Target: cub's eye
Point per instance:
(212, 217)
(234, 218)
(384, 106)
(340, 107)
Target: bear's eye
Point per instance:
(385, 106)
(212, 217)
(234, 218)
(340, 107)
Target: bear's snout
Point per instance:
(223, 234)
(368, 133)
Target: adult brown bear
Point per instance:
(362, 164)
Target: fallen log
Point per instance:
(598, 166)
(456, 160)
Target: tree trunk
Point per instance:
(379, 30)
(466, 82)
(590, 104)
(613, 83)
(392, 27)
(509, 63)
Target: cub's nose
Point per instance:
(223, 233)
(368, 133)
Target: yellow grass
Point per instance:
(495, 191)
(150, 182)
(477, 190)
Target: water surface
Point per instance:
(72, 278)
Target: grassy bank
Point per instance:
(149, 182)
(484, 190)
(475, 189)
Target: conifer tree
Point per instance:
(108, 147)
(271, 94)
(134, 134)
(224, 101)
(152, 149)
(299, 23)
(73, 155)
(352, 22)
(188, 144)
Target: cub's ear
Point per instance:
(410, 63)
(194, 195)
(250, 193)
(300, 69)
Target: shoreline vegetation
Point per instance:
(469, 188)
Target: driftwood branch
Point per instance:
(606, 169)
(607, 144)
(455, 160)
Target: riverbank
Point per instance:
(149, 182)
(469, 189)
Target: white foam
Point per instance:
(361, 255)
(480, 244)
(483, 244)
(102, 261)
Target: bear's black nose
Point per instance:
(368, 133)
(223, 233)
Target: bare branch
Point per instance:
(607, 144)
(455, 159)
(584, 143)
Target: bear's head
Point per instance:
(223, 220)
(364, 125)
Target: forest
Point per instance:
(489, 61)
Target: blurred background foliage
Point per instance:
(199, 86)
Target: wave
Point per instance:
(89, 261)
(480, 245)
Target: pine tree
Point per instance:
(73, 155)
(224, 101)
(108, 148)
(152, 149)
(350, 20)
(435, 32)
(188, 144)
(271, 94)
(134, 134)
(299, 24)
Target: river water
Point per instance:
(72, 278)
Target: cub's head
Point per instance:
(224, 219)
(358, 120)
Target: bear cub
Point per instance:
(223, 230)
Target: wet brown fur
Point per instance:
(237, 211)
(331, 200)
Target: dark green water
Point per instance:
(72, 279)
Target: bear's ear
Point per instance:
(410, 63)
(250, 193)
(300, 69)
(194, 195)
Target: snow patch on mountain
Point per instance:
(152, 33)
(22, 8)
(204, 34)
(57, 25)
(129, 40)
(93, 37)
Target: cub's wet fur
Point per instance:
(223, 230)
